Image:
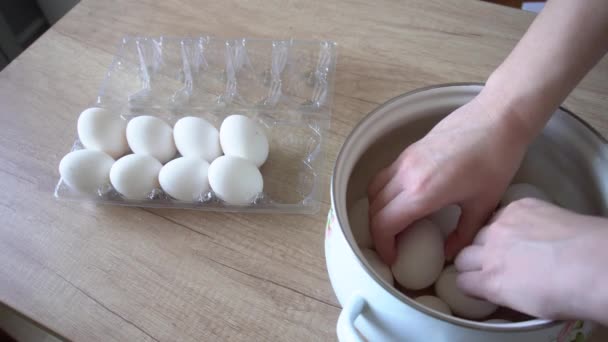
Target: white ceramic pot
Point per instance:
(568, 152)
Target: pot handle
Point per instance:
(346, 321)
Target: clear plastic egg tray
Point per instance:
(286, 85)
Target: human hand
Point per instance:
(467, 159)
(540, 259)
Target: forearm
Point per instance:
(563, 43)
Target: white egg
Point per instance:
(434, 303)
(420, 255)
(235, 180)
(196, 137)
(522, 190)
(446, 219)
(135, 176)
(358, 219)
(380, 267)
(152, 136)
(86, 170)
(185, 178)
(245, 138)
(101, 130)
(498, 320)
(460, 303)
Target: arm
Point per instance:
(563, 43)
(470, 157)
(535, 257)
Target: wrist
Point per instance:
(520, 103)
(506, 116)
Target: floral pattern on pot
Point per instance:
(572, 332)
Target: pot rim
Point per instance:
(534, 324)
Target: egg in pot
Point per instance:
(434, 303)
(420, 255)
(378, 265)
(460, 303)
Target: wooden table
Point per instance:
(112, 273)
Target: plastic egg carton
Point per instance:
(286, 85)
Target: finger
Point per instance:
(387, 194)
(471, 283)
(469, 259)
(496, 215)
(380, 181)
(469, 223)
(482, 237)
(391, 220)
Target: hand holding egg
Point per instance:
(419, 260)
(534, 257)
(454, 163)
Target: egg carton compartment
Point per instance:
(285, 86)
(207, 72)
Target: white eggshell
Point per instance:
(498, 320)
(420, 255)
(434, 303)
(446, 219)
(196, 137)
(358, 219)
(86, 170)
(461, 304)
(135, 176)
(152, 136)
(380, 267)
(522, 190)
(185, 178)
(235, 180)
(101, 130)
(245, 138)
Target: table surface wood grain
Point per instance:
(106, 273)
